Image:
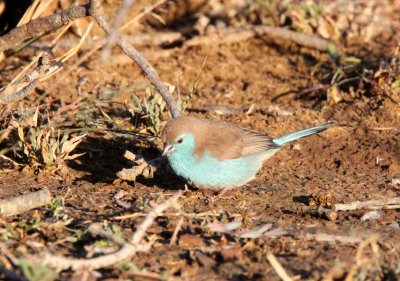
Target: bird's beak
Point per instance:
(168, 149)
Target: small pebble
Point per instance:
(395, 182)
(394, 225)
(373, 215)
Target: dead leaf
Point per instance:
(69, 145)
(256, 232)
(232, 253)
(226, 227)
(190, 241)
(327, 28)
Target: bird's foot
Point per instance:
(213, 195)
(208, 192)
(222, 193)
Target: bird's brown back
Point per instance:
(221, 139)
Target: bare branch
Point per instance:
(127, 251)
(20, 204)
(176, 231)
(151, 216)
(41, 26)
(30, 81)
(60, 263)
(125, 5)
(385, 203)
(332, 238)
(95, 229)
(278, 267)
(96, 11)
(235, 34)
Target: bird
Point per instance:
(219, 155)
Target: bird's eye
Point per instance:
(180, 140)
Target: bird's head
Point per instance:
(178, 137)
(182, 144)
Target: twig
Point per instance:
(60, 263)
(176, 231)
(66, 56)
(325, 237)
(178, 214)
(30, 81)
(384, 129)
(235, 34)
(142, 39)
(383, 207)
(256, 232)
(127, 251)
(117, 197)
(48, 46)
(360, 261)
(9, 159)
(371, 215)
(128, 216)
(96, 230)
(278, 268)
(41, 26)
(131, 156)
(96, 11)
(143, 275)
(125, 5)
(386, 203)
(224, 109)
(20, 204)
(150, 217)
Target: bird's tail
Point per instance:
(301, 134)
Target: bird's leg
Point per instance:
(213, 195)
(222, 192)
(208, 192)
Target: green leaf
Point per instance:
(72, 239)
(36, 272)
(332, 50)
(352, 60)
(396, 84)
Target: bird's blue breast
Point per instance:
(210, 172)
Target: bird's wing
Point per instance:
(228, 141)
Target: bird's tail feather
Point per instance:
(301, 134)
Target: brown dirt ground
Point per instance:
(341, 165)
